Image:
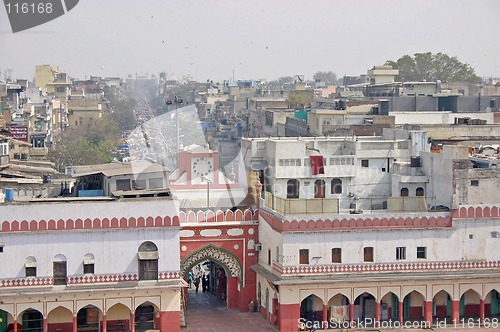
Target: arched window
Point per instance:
(420, 192)
(60, 270)
(404, 192)
(148, 261)
(292, 188)
(336, 186)
(319, 189)
(88, 264)
(30, 266)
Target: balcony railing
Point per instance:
(286, 206)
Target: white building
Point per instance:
(361, 239)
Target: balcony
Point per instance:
(300, 206)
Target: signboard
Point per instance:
(19, 132)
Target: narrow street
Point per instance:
(207, 313)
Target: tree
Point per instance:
(328, 77)
(81, 152)
(432, 67)
(300, 99)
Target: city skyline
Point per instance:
(251, 40)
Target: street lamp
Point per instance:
(177, 100)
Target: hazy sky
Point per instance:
(255, 38)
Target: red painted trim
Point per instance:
(62, 225)
(85, 279)
(281, 225)
(384, 267)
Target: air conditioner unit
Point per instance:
(258, 247)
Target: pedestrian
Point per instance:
(190, 279)
(197, 283)
(203, 284)
(206, 282)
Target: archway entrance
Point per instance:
(222, 270)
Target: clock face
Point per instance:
(202, 167)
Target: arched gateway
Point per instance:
(226, 259)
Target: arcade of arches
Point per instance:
(116, 310)
(427, 302)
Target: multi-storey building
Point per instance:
(374, 230)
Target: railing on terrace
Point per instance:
(288, 206)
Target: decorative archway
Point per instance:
(226, 259)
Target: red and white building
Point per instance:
(380, 238)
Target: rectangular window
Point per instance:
(268, 256)
(278, 254)
(30, 271)
(365, 163)
(474, 183)
(155, 183)
(1, 248)
(368, 254)
(304, 256)
(123, 184)
(60, 273)
(400, 253)
(336, 255)
(422, 252)
(88, 268)
(139, 184)
(148, 269)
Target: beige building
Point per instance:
(45, 74)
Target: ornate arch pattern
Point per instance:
(230, 263)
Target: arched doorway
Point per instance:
(311, 308)
(338, 308)
(5, 319)
(145, 317)
(118, 318)
(223, 268)
(88, 319)
(389, 307)
(442, 305)
(32, 320)
(60, 319)
(364, 307)
(492, 303)
(413, 306)
(470, 303)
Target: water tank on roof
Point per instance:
(415, 162)
(493, 103)
(342, 104)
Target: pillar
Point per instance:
(232, 292)
(377, 311)
(428, 311)
(104, 324)
(455, 311)
(481, 310)
(15, 325)
(325, 317)
(169, 321)
(400, 312)
(45, 324)
(351, 313)
(132, 322)
(289, 317)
